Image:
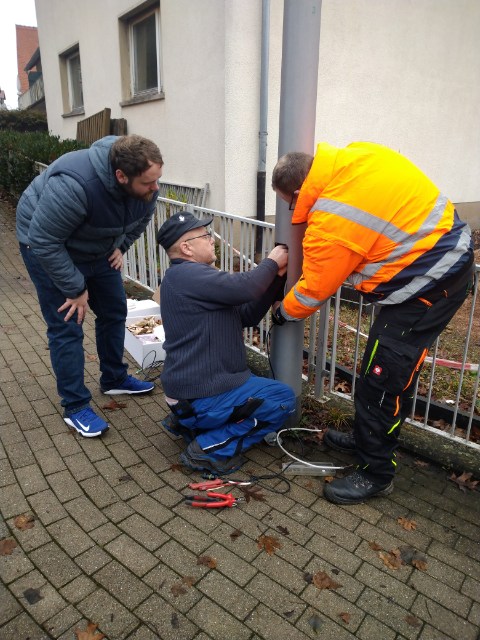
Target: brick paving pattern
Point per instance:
(112, 542)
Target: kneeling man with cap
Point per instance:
(218, 406)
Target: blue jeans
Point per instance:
(222, 436)
(106, 298)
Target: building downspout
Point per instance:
(262, 134)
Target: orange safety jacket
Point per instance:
(375, 220)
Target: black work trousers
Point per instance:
(396, 348)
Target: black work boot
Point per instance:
(339, 440)
(195, 458)
(354, 489)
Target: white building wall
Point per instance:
(404, 73)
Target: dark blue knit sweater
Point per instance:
(203, 312)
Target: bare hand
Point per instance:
(116, 259)
(280, 255)
(80, 305)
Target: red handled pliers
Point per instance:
(208, 485)
(213, 500)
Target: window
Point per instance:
(71, 81)
(140, 53)
(75, 81)
(144, 62)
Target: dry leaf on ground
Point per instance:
(375, 546)
(269, 544)
(207, 561)
(89, 633)
(413, 621)
(252, 493)
(464, 481)
(323, 581)
(345, 616)
(391, 559)
(7, 545)
(25, 521)
(113, 405)
(236, 533)
(176, 467)
(408, 525)
(283, 530)
(90, 357)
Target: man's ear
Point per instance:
(121, 177)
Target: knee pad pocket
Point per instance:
(392, 365)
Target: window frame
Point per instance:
(127, 22)
(71, 89)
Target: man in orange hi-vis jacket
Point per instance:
(376, 220)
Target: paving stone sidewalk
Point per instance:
(112, 543)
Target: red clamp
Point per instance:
(213, 500)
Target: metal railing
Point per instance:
(335, 335)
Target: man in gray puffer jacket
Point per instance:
(74, 223)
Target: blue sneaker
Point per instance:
(130, 385)
(87, 423)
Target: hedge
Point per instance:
(19, 151)
(23, 120)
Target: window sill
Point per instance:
(80, 111)
(143, 97)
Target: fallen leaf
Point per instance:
(207, 561)
(252, 493)
(421, 565)
(323, 581)
(289, 614)
(89, 633)
(315, 622)
(176, 467)
(25, 521)
(283, 530)
(408, 525)
(309, 484)
(421, 463)
(7, 545)
(345, 617)
(464, 481)
(308, 577)
(174, 621)
(113, 405)
(90, 357)
(413, 621)
(269, 544)
(236, 533)
(391, 559)
(375, 546)
(32, 595)
(328, 479)
(125, 478)
(178, 589)
(189, 580)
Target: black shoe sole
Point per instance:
(331, 497)
(207, 466)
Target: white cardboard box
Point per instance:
(141, 308)
(146, 349)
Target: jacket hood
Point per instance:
(99, 154)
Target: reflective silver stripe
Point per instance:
(437, 271)
(306, 301)
(368, 220)
(427, 227)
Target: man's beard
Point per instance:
(147, 197)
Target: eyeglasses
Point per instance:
(204, 235)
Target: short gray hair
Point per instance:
(290, 171)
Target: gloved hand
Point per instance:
(277, 317)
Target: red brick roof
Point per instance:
(27, 42)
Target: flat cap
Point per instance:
(174, 227)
